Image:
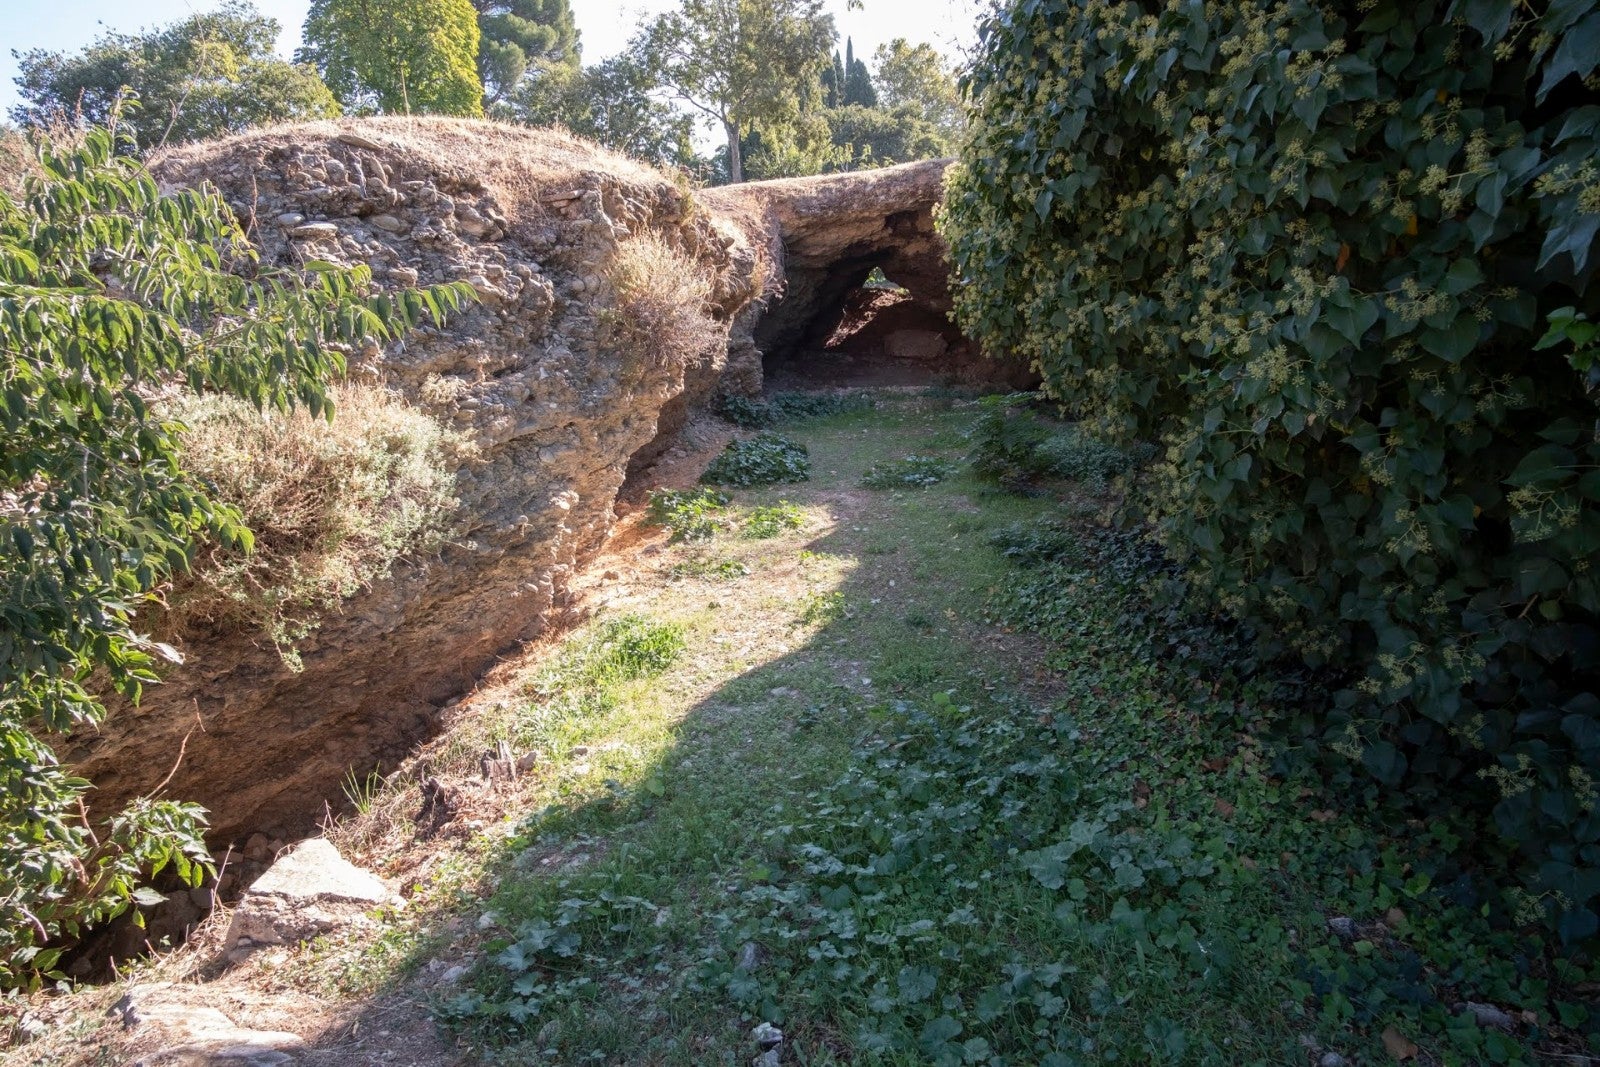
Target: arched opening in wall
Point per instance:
(878, 333)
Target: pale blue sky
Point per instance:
(604, 24)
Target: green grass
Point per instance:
(912, 472)
(937, 784)
(690, 514)
(772, 520)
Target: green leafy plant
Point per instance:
(688, 513)
(108, 291)
(912, 472)
(1306, 250)
(773, 520)
(766, 459)
(1017, 447)
(745, 412)
(755, 414)
(1571, 326)
(725, 570)
(801, 407)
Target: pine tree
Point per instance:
(858, 88)
(833, 82)
(523, 39)
(407, 57)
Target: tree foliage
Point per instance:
(880, 136)
(110, 292)
(916, 77)
(1312, 249)
(523, 40)
(204, 76)
(857, 89)
(397, 56)
(738, 63)
(610, 103)
(846, 82)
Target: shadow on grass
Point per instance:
(904, 839)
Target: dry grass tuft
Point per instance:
(18, 161)
(333, 505)
(521, 167)
(663, 303)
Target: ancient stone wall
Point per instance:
(531, 374)
(532, 221)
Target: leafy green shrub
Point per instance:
(743, 411)
(333, 505)
(773, 520)
(687, 512)
(766, 459)
(1308, 249)
(798, 407)
(1013, 445)
(912, 472)
(110, 290)
(790, 407)
(1030, 544)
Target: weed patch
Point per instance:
(912, 472)
(581, 686)
(1014, 445)
(755, 414)
(766, 459)
(621, 650)
(773, 520)
(690, 514)
(820, 609)
(725, 570)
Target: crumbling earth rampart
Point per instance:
(532, 374)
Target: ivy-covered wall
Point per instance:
(1336, 260)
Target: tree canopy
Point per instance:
(203, 76)
(739, 63)
(521, 40)
(408, 57)
(918, 78)
(611, 103)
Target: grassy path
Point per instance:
(859, 806)
(828, 780)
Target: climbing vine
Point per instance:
(1335, 259)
